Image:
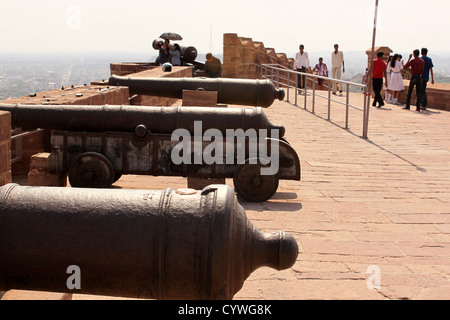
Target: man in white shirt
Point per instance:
(301, 63)
(337, 61)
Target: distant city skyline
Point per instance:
(132, 25)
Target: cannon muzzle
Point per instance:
(167, 244)
(245, 92)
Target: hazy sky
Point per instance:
(132, 25)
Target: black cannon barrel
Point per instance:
(165, 244)
(126, 118)
(248, 92)
(188, 53)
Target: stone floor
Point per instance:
(371, 216)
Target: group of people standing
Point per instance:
(391, 73)
(168, 53)
(301, 64)
(172, 54)
(421, 68)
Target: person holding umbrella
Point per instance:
(164, 48)
(164, 54)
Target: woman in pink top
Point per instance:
(322, 70)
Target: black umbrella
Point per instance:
(171, 36)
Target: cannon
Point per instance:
(126, 118)
(245, 92)
(165, 244)
(96, 145)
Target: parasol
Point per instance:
(170, 36)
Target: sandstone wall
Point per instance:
(240, 54)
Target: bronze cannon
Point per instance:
(166, 244)
(247, 92)
(96, 145)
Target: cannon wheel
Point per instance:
(251, 185)
(91, 170)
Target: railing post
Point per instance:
(305, 88)
(314, 95)
(288, 84)
(296, 88)
(366, 113)
(329, 99)
(347, 106)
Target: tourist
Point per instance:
(337, 61)
(417, 66)
(365, 78)
(387, 92)
(164, 55)
(428, 68)
(301, 64)
(213, 66)
(395, 82)
(175, 54)
(322, 71)
(378, 73)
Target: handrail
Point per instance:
(282, 76)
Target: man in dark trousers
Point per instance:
(213, 66)
(379, 72)
(417, 66)
(426, 76)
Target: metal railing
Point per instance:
(17, 135)
(282, 76)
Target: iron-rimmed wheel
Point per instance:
(91, 170)
(252, 185)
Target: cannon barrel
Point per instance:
(248, 92)
(126, 118)
(166, 244)
(188, 53)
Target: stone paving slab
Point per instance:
(371, 217)
(380, 202)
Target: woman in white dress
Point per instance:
(395, 84)
(387, 91)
